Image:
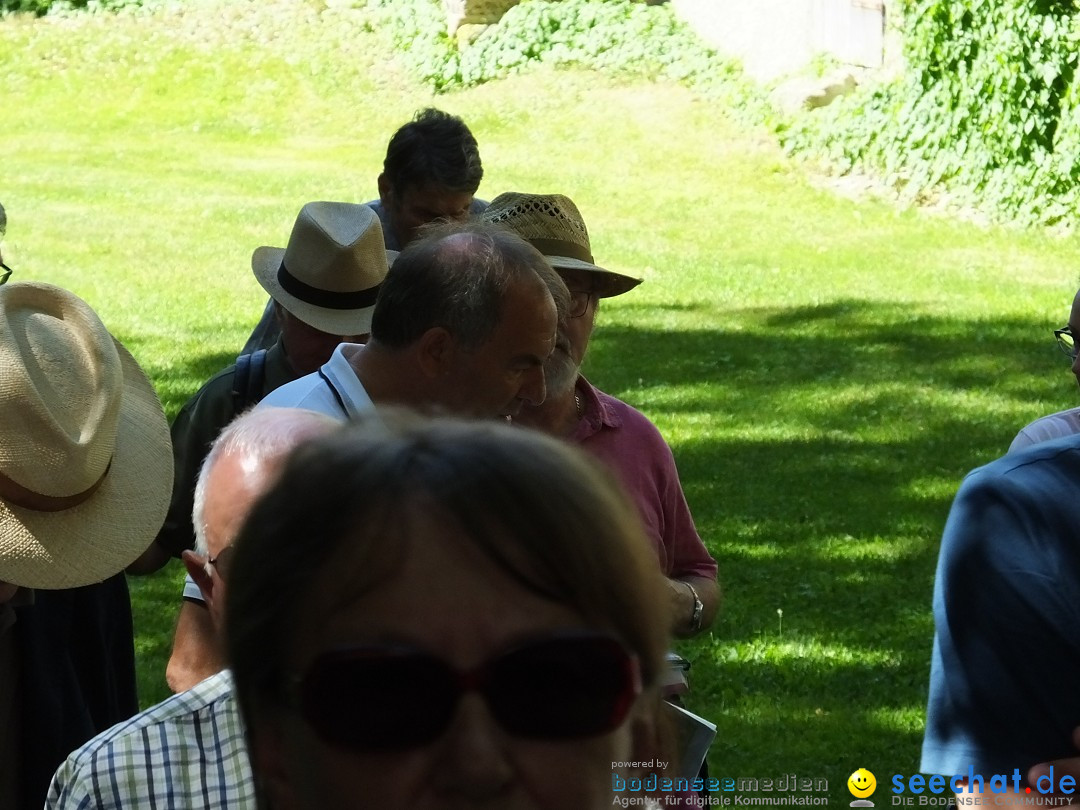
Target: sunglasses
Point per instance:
(393, 697)
(222, 562)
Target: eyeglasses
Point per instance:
(579, 302)
(394, 697)
(5, 272)
(1065, 341)
(222, 562)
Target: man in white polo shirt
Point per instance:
(463, 323)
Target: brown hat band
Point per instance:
(562, 247)
(18, 495)
(325, 298)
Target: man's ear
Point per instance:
(436, 351)
(197, 568)
(280, 315)
(385, 192)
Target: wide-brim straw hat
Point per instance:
(86, 465)
(329, 274)
(553, 225)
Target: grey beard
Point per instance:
(560, 374)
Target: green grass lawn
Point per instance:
(826, 370)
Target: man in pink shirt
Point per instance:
(608, 428)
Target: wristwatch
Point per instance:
(699, 608)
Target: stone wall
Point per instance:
(475, 12)
(774, 38)
(486, 12)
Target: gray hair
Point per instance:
(263, 436)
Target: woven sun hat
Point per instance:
(329, 275)
(86, 464)
(552, 224)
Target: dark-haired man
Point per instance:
(431, 171)
(464, 323)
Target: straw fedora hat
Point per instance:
(86, 463)
(552, 224)
(329, 275)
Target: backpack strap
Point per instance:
(248, 380)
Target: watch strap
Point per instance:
(699, 608)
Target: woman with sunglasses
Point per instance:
(475, 620)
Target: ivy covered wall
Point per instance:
(986, 107)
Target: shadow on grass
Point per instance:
(820, 448)
(177, 382)
(156, 598)
(155, 602)
(759, 351)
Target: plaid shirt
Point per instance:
(187, 752)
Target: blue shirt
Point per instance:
(1006, 654)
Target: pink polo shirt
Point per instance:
(624, 439)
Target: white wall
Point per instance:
(777, 37)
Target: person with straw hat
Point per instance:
(604, 426)
(323, 285)
(85, 476)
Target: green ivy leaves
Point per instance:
(987, 108)
(616, 36)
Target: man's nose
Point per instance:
(534, 389)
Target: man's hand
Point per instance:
(196, 652)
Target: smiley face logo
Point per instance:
(861, 783)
